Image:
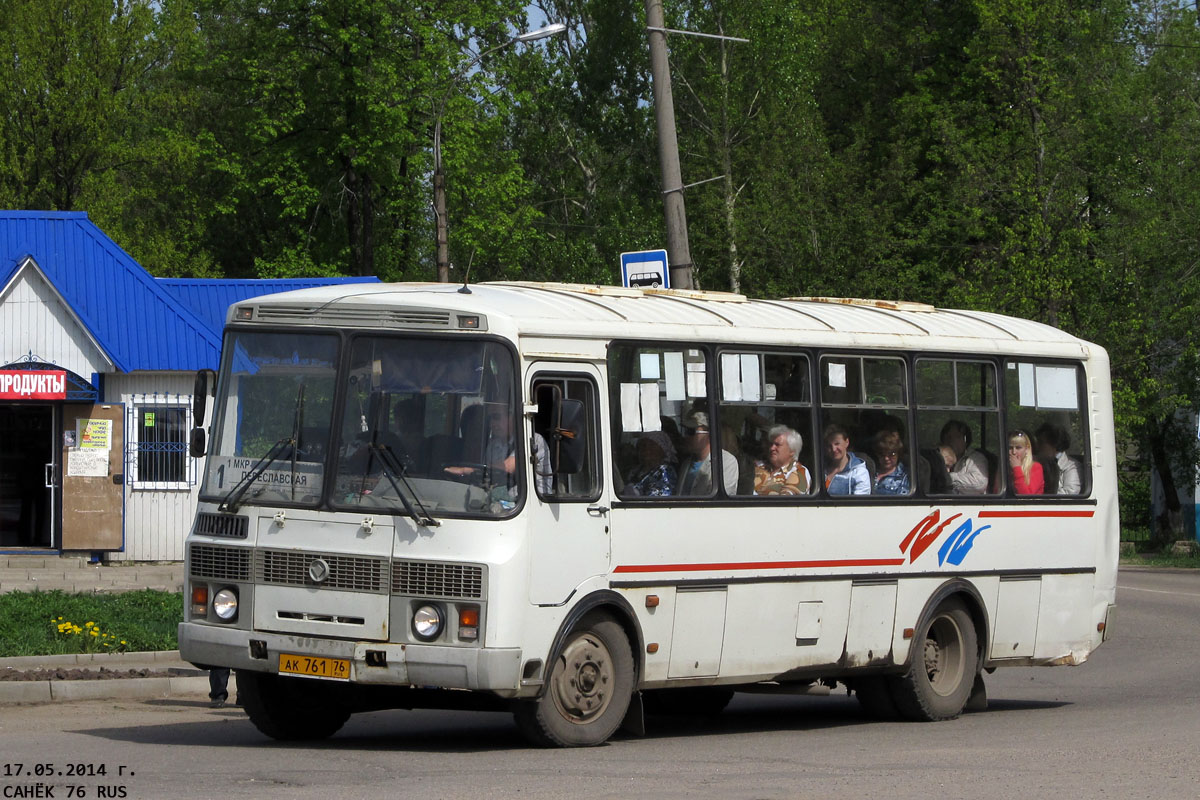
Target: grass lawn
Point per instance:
(1160, 560)
(52, 623)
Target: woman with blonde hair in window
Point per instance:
(1027, 473)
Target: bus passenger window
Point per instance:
(865, 427)
(958, 427)
(766, 422)
(664, 440)
(1045, 401)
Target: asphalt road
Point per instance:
(1126, 724)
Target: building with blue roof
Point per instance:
(97, 364)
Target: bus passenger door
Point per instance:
(567, 508)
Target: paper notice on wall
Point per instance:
(87, 462)
(94, 434)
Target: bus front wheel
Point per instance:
(588, 691)
(942, 669)
(291, 709)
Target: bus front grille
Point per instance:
(208, 524)
(438, 579)
(347, 573)
(219, 563)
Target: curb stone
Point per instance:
(188, 682)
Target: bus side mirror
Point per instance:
(197, 443)
(200, 395)
(570, 437)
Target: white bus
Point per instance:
(585, 504)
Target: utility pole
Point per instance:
(679, 255)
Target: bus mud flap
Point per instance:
(635, 719)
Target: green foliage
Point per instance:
(1035, 159)
(135, 621)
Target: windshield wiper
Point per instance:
(394, 470)
(231, 500)
(230, 503)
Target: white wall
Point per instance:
(32, 318)
(156, 520)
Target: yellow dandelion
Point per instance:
(122, 641)
(90, 624)
(95, 632)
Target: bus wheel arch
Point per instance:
(944, 662)
(589, 679)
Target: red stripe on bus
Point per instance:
(1036, 513)
(853, 562)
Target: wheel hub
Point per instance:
(582, 683)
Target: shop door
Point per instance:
(92, 467)
(26, 475)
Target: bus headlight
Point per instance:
(427, 622)
(225, 604)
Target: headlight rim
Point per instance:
(231, 593)
(431, 634)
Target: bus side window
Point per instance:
(567, 425)
(1045, 401)
(766, 399)
(665, 444)
(865, 444)
(958, 426)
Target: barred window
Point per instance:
(159, 447)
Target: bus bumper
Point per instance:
(493, 669)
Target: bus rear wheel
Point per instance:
(292, 709)
(942, 669)
(588, 690)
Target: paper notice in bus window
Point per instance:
(696, 386)
(631, 407)
(673, 368)
(731, 377)
(837, 375)
(1028, 389)
(750, 386)
(650, 415)
(649, 362)
(1056, 387)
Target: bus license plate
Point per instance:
(315, 666)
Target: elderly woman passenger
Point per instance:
(655, 474)
(781, 473)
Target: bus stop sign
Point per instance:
(647, 268)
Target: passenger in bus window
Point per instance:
(695, 474)
(781, 473)
(654, 475)
(1053, 441)
(970, 472)
(845, 473)
(891, 477)
(1027, 473)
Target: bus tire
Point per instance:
(875, 696)
(291, 709)
(588, 689)
(942, 668)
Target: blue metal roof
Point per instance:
(211, 298)
(141, 323)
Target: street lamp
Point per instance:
(439, 177)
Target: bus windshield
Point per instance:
(426, 426)
(273, 419)
(429, 422)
